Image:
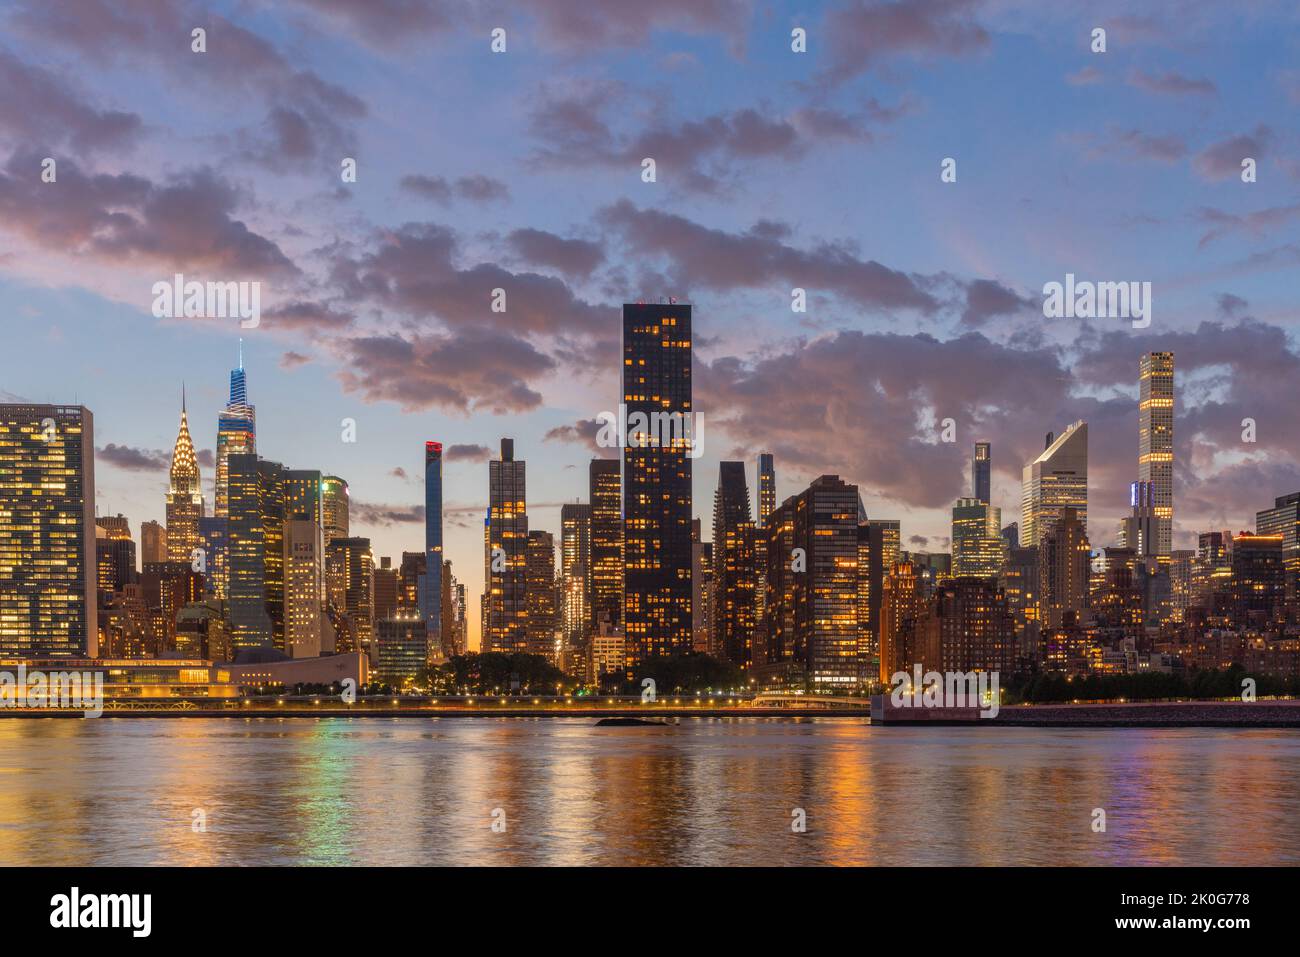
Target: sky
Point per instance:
(522, 170)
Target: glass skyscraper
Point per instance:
(657, 481)
(47, 539)
(431, 581)
(1156, 443)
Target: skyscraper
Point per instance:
(349, 573)
(1140, 530)
(1063, 570)
(605, 572)
(505, 614)
(1156, 443)
(334, 508)
(539, 563)
(811, 628)
(977, 544)
(236, 433)
(255, 534)
(1056, 480)
(48, 565)
(902, 605)
(304, 589)
(1284, 519)
(431, 586)
(981, 473)
(184, 497)
(657, 481)
(736, 566)
(153, 542)
(766, 488)
(575, 559)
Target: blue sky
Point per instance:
(775, 170)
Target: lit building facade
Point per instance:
(657, 614)
(540, 605)
(811, 620)
(1156, 444)
(1056, 480)
(605, 572)
(431, 586)
(736, 566)
(335, 520)
(977, 544)
(236, 434)
(184, 497)
(48, 566)
(505, 558)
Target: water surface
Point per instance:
(708, 791)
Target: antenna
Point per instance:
(241, 353)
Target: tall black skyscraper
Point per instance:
(735, 566)
(981, 473)
(657, 480)
(605, 571)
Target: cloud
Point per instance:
(39, 107)
(1173, 84)
(1257, 224)
(1222, 160)
(130, 459)
(477, 188)
(383, 515)
(412, 269)
(986, 299)
(698, 155)
(467, 453)
(700, 257)
(583, 432)
(187, 224)
(861, 34)
(467, 372)
(291, 360)
(1132, 144)
(573, 257)
(1088, 76)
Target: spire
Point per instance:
(185, 464)
(241, 353)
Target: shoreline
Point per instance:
(1156, 714)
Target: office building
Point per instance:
(977, 544)
(1156, 444)
(1056, 480)
(505, 612)
(48, 560)
(981, 473)
(334, 508)
(184, 497)
(540, 604)
(431, 588)
(657, 481)
(236, 434)
(605, 572)
(736, 569)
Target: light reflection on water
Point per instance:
(708, 791)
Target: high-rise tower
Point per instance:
(1156, 443)
(505, 613)
(735, 566)
(981, 473)
(657, 481)
(184, 497)
(431, 590)
(1056, 480)
(236, 433)
(766, 488)
(47, 535)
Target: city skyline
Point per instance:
(776, 171)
